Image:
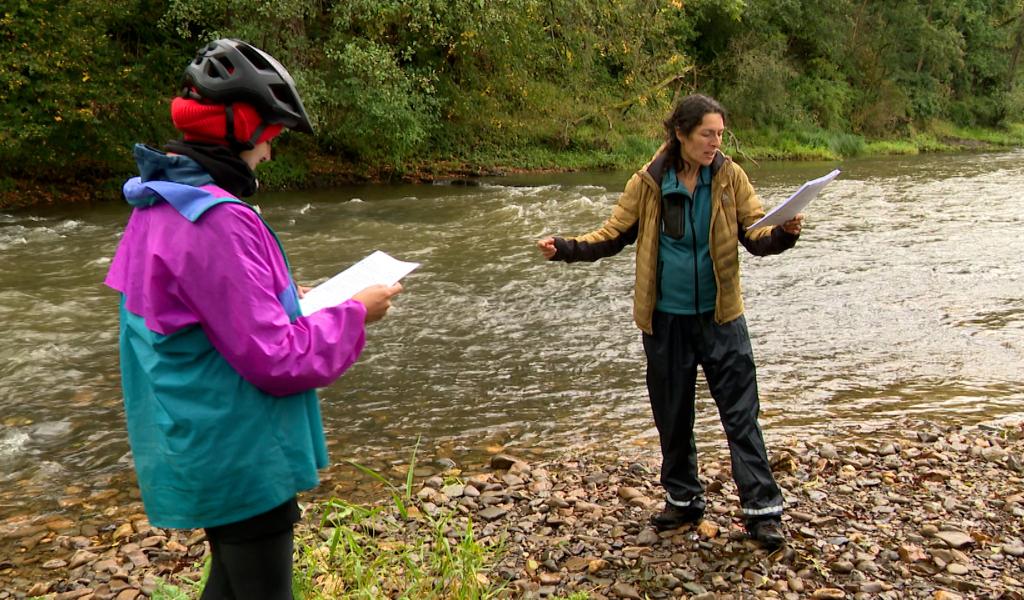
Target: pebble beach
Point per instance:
(914, 509)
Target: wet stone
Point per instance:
(492, 513)
(501, 462)
(647, 537)
(1013, 549)
(955, 539)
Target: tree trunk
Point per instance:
(1018, 47)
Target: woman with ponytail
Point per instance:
(688, 210)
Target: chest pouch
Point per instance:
(673, 214)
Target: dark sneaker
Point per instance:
(767, 531)
(674, 517)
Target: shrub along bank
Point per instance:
(418, 88)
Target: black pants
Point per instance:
(252, 559)
(678, 345)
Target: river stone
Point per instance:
(576, 563)
(627, 493)
(123, 531)
(871, 587)
(138, 558)
(957, 569)
(454, 490)
(540, 485)
(512, 481)
(993, 454)
(153, 541)
(80, 558)
(647, 537)
(1013, 549)
(694, 588)
(867, 566)
(23, 532)
(625, 590)
(492, 513)
(707, 529)
(955, 539)
(841, 566)
(828, 451)
(828, 594)
(73, 594)
(501, 462)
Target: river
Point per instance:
(903, 296)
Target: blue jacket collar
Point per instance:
(176, 179)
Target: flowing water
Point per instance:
(904, 296)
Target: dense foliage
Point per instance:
(394, 82)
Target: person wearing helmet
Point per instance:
(219, 367)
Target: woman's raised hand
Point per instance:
(794, 225)
(547, 247)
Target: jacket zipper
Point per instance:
(696, 278)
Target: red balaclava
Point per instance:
(207, 123)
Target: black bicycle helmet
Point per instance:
(229, 70)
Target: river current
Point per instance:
(903, 296)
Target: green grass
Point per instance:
(359, 561)
(359, 552)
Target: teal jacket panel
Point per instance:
(209, 447)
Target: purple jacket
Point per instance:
(227, 273)
(218, 367)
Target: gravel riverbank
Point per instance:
(915, 510)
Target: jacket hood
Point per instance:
(155, 165)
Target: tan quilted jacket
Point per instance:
(636, 217)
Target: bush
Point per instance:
(368, 107)
(758, 93)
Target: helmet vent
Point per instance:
(219, 68)
(282, 93)
(255, 58)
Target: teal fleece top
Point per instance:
(686, 275)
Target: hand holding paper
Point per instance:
(377, 268)
(377, 300)
(795, 203)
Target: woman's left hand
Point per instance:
(302, 290)
(794, 225)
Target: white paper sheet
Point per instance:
(375, 268)
(795, 203)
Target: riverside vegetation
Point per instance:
(910, 510)
(422, 89)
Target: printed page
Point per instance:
(375, 268)
(795, 203)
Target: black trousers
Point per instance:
(678, 345)
(252, 559)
